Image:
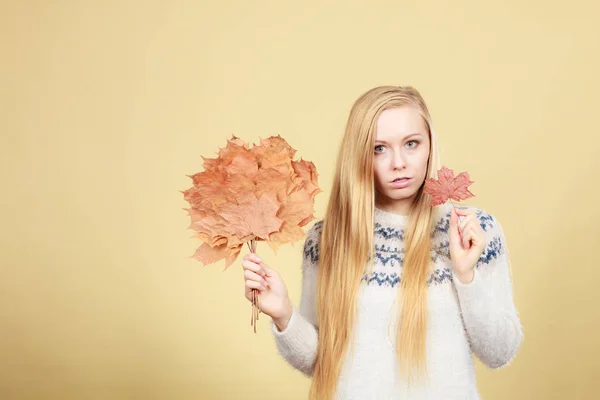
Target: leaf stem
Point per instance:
(255, 293)
(460, 216)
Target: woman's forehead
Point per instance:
(398, 123)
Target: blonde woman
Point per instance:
(396, 294)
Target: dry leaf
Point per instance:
(251, 216)
(448, 187)
(250, 194)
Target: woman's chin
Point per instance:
(400, 194)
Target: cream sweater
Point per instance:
(464, 319)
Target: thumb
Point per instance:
(454, 235)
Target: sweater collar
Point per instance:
(389, 218)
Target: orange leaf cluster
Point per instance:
(448, 187)
(248, 194)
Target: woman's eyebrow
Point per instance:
(406, 137)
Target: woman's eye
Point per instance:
(413, 141)
(376, 147)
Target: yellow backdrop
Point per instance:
(107, 106)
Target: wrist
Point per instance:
(465, 277)
(281, 322)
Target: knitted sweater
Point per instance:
(463, 319)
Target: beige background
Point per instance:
(107, 106)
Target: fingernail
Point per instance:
(258, 260)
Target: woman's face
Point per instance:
(401, 151)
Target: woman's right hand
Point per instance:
(273, 296)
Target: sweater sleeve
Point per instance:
(488, 310)
(297, 343)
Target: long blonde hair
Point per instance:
(346, 245)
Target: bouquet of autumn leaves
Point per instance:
(247, 195)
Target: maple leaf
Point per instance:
(208, 254)
(275, 153)
(245, 195)
(251, 216)
(448, 187)
(269, 180)
(293, 212)
(306, 172)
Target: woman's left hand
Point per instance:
(467, 242)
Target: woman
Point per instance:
(396, 294)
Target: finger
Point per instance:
(253, 257)
(462, 224)
(464, 212)
(453, 217)
(475, 226)
(470, 220)
(255, 277)
(255, 285)
(466, 239)
(468, 234)
(478, 235)
(454, 235)
(457, 223)
(249, 265)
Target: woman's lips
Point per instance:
(402, 183)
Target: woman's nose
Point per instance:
(398, 160)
